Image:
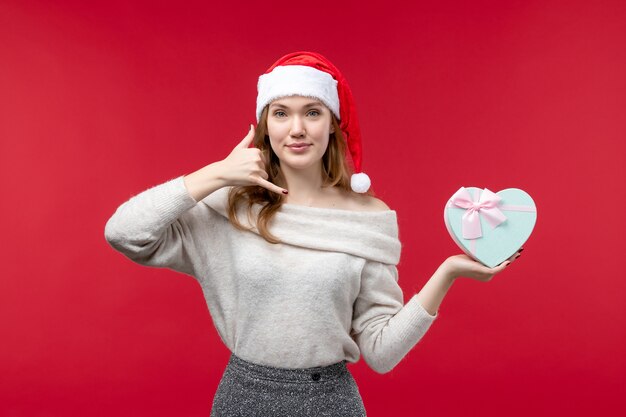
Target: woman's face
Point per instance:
(299, 129)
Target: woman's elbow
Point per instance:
(379, 364)
(111, 233)
(119, 240)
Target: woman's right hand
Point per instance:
(246, 166)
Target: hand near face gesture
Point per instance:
(464, 266)
(247, 166)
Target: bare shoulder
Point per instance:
(364, 202)
(349, 200)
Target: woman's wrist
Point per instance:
(447, 271)
(433, 292)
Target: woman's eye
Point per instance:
(279, 113)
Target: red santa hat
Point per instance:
(309, 74)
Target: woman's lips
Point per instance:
(298, 148)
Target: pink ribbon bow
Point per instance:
(486, 206)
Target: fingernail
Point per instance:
(285, 192)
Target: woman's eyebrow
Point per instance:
(286, 107)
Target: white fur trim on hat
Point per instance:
(302, 80)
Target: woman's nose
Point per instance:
(297, 126)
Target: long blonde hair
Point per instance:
(335, 173)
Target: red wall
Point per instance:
(101, 100)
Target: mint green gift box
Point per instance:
(490, 227)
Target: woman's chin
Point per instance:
(294, 163)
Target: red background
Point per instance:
(101, 100)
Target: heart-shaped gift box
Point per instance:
(490, 227)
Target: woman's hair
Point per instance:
(335, 173)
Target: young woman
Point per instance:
(295, 255)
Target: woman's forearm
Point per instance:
(205, 181)
(435, 289)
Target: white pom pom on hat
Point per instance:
(360, 182)
(310, 74)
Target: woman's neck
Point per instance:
(304, 185)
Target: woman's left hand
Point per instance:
(464, 266)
